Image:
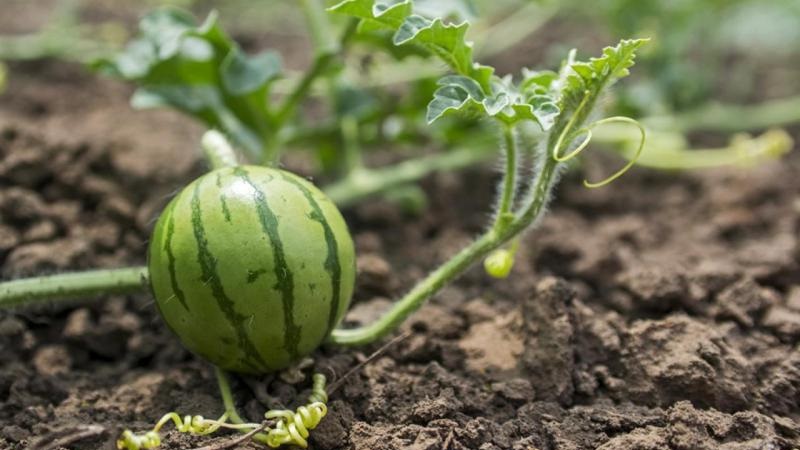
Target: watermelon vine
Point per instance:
(253, 267)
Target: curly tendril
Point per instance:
(587, 131)
(562, 136)
(318, 393)
(196, 425)
(291, 427)
(131, 441)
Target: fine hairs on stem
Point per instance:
(581, 84)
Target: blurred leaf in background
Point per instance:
(728, 50)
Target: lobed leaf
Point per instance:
(474, 90)
(200, 71)
(445, 40)
(507, 104)
(583, 82)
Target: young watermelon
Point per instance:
(251, 267)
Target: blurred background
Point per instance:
(714, 68)
(733, 50)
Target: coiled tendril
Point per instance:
(567, 136)
(291, 427)
(131, 441)
(196, 425)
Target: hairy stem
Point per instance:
(359, 184)
(419, 294)
(509, 179)
(72, 285)
(538, 197)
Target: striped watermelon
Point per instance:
(251, 267)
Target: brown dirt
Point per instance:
(660, 313)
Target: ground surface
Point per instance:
(660, 313)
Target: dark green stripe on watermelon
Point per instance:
(177, 291)
(332, 265)
(208, 265)
(283, 275)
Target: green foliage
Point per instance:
(474, 89)
(507, 102)
(580, 84)
(201, 71)
(445, 40)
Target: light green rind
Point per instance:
(227, 269)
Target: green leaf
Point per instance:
(456, 94)
(474, 90)
(242, 74)
(578, 87)
(463, 95)
(537, 82)
(445, 40)
(540, 109)
(201, 71)
(583, 82)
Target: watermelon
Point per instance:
(251, 267)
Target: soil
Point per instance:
(660, 313)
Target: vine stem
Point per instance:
(421, 292)
(364, 182)
(72, 285)
(732, 118)
(230, 406)
(319, 27)
(509, 179)
(318, 67)
(453, 268)
(217, 150)
(327, 49)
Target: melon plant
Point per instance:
(252, 267)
